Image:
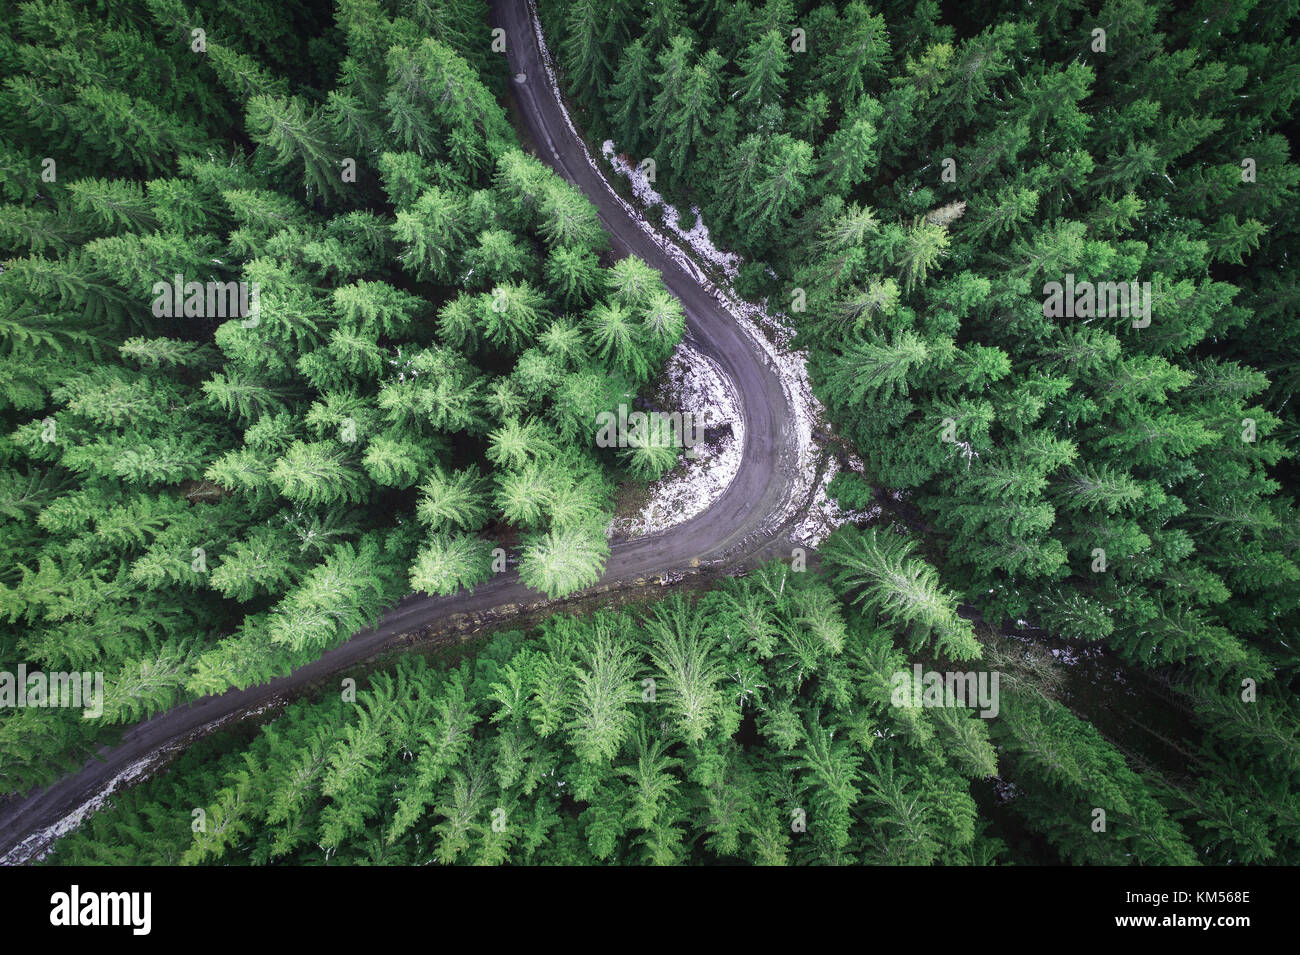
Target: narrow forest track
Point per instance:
(751, 515)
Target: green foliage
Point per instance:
(614, 738)
(209, 499)
(920, 181)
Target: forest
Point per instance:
(1036, 256)
(905, 180)
(756, 724)
(192, 504)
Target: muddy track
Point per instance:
(746, 522)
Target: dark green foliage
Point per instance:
(915, 185)
(201, 492)
(751, 725)
(439, 325)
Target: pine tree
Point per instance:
(573, 272)
(448, 563)
(861, 54)
(763, 66)
(631, 96)
(452, 500)
(563, 560)
(887, 579)
(295, 133)
(433, 231)
(600, 708)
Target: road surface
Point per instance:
(734, 528)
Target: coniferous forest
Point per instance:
(304, 334)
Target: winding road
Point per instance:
(745, 520)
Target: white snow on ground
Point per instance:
(771, 335)
(695, 385)
(697, 237)
(825, 514)
(39, 844)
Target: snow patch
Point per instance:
(694, 384)
(825, 513)
(697, 237)
(41, 843)
(771, 335)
